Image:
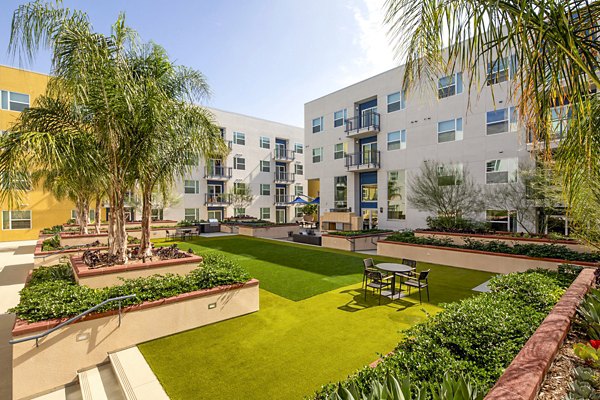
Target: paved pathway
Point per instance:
(16, 259)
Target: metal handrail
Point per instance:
(73, 319)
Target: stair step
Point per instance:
(135, 376)
(100, 383)
(71, 392)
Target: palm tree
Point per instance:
(551, 49)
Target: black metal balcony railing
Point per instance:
(363, 160)
(368, 121)
(284, 155)
(284, 177)
(217, 198)
(218, 172)
(283, 199)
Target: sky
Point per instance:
(263, 58)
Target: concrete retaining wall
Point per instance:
(268, 232)
(352, 243)
(71, 239)
(470, 259)
(86, 343)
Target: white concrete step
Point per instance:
(135, 376)
(71, 392)
(100, 383)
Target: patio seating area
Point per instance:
(310, 329)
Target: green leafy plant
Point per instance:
(358, 233)
(51, 244)
(390, 388)
(587, 353)
(309, 209)
(53, 230)
(456, 388)
(60, 272)
(589, 314)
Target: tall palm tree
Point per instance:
(552, 48)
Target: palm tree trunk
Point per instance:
(83, 215)
(145, 247)
(119, 231)
(111, 224)
(97, 216)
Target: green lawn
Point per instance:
(313, 326)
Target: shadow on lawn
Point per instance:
(358, 302)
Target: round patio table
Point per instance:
(393, 268)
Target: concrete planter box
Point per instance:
(228, 228)
(46, 258)
(353, 243)
(75, 239)
(459, 238)
(109, 276)
(470, 259)
(86, 343)
(269, 232)
(135, 224)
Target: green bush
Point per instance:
(54, 296)
(51, 244)
(451, 224)
(53, 230)
(358, 233)
(496, 246)
(60, 272)
(475, 338)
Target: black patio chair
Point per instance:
(168, 235)
(420, 282)
(376, 280)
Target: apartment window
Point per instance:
(12, 220)
(265, 213)
(156, 214)
(450, 174)
(396, 140)
(317, 155)
(74, 214)
(298, 148)
(317, 125)
(239, 188)
(340, 197)
(396, 207)
(395, 102)
(239, 163)
(501, 171)
(298, 212)
(239, 211)
(265, 142)
(500, 121)
(498, 71)
(191, 187)
(298, 169)
(339, 117)
(215, 214)
(265, 166)
(14, 101)
(450, 130)
(338, 151)
(298, 190)
(368, 193)
(450, 85)
(560, 121)
(265, 189)
(191, 214)
(239, 138)
(502, 220)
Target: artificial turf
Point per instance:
(313, 327)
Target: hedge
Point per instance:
(495, 246)
(51, 293)
(476, 337)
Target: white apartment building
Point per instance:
(260, 177)
(369, 137)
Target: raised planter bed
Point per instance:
(86, 343)
(76, 239)
(353, 243)
(269, 232)
(134, 224)
(109, 276)
(470, 259)
(459, 239)
(46, 258)
(307, 239)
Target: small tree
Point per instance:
(446, 190)
(242, 195)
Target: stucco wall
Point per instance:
(86, 343)
(356, 243)
(269, 232)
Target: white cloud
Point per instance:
(374, 52)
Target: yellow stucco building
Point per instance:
(18, 89)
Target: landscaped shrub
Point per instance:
(60, 272)
(359, 233)
(496, 246)
(476, 337)
(53, 296)
(462, 225)
(51, 244)
(53, 230)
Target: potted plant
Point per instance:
(309, 211)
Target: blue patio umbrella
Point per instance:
(298, 200)
(316, 201)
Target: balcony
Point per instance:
(284, 177)
(284, 155)
(363, 125)
(217, 173)
(361, 162)
(282, 199)
(217, 199)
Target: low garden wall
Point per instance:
(268, 232)
(524, 376)
(136, 224)
(109, 276)
(86, 343)
(352, 243)
(76, 239)
(470, 259)
(459, 239)
(229, 228)
(46, 258)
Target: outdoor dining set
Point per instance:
(382, 278)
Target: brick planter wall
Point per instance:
(524, 376)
